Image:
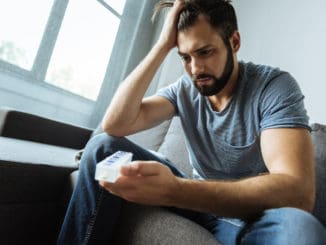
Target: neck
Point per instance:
(220, 101)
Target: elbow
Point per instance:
(107, 129)
(111, 130)
(114, 129)
(110, 124)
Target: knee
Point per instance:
(290, 217)
(104, 143)
(100, 146)
(293, 222)
(285, 226)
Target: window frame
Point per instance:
(46, 47)
(84, 112)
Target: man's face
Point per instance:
(206, 58)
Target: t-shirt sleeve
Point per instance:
(282, 104)
(170, 92)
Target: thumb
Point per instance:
(144, 168)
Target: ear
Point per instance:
(235, 41)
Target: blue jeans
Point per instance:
(93, 212)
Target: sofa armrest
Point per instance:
(31, 205)
(26, 126)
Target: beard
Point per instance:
(218, 83)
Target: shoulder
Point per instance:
(278, 97)
(182, 94)
(264, 80)
(260, 74)
(183, 86)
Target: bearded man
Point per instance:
(247, 135)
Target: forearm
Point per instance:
(126, 103)
(243, 198)
(125, 109)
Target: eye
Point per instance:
(185, 58)
(205, 52)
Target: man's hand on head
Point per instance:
(168, 37)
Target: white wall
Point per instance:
(289, 34)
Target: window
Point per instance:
(116, 5)
(55, 55)
(21, 29)
(83, 47)
(68, 46)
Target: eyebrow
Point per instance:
(197, 50)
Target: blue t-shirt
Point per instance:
(225, 144)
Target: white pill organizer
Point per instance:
(109, 169)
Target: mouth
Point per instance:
(203, 80)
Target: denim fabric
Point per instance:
(288, 226)
(93, 212)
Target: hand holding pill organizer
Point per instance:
(109, 169)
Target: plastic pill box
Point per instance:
(109, 169)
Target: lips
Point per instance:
(203, 80)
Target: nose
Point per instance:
(197, 67)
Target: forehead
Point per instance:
(199, 35)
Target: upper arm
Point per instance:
(153, 111)
(289, 151)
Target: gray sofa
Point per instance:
(38, 171)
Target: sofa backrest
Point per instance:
(174, 148)
(26, 126)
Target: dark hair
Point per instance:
(219, 13)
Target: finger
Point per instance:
(149, 168)
(130, 169)
(177, 6)
(144, 168)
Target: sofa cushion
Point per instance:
(150, 139)
(31, 202)
(173, 147)
(33, 184)
(319, 140)
(154, 225)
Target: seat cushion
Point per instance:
(319, 140)
(153, 225)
